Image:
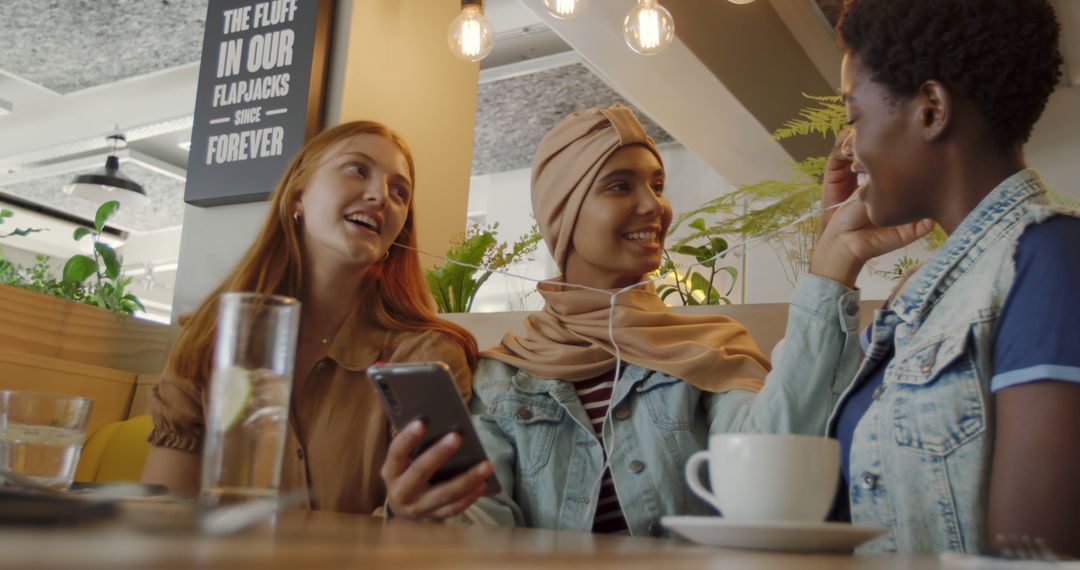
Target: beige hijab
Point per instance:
(569, 339)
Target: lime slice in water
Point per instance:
(234, 389)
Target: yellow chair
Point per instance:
(115, 452)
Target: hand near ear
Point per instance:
(849, 239)
(839, 182)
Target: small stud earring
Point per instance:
(296, 217)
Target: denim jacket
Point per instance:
(920, 456)
(549, 460)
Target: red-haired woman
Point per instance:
(345, 199)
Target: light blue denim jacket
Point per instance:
(548, 458)
(920, 456)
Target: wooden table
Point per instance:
(331, 540)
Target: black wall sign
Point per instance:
(260, 96)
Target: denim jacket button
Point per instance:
(868, 480)
(623, 413)
(300, 453)
(524, 413)
(636, 466)
(878, 392)
(851, 308)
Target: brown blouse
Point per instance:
(338, 434)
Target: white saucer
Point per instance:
(780, 535)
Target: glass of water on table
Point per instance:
(41, 435)
(248, 408)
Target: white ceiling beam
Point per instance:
(23, 93)
(809, 27)
(93, 162)
(677, 91)
(92, 114)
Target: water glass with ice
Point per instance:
(248, 407)
(41, 435)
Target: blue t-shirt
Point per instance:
(1038, 331)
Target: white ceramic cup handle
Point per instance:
(693, 468)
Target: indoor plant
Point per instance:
(107, 290)
(455, 286)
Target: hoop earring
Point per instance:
(386, 255)
(296, 217)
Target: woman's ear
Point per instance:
(935, 109)
(297, 206)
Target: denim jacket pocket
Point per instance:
(937, 400)
(531, 422)
(670, 401)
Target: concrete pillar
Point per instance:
(398, 70)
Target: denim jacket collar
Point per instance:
(964, 246)
(564, 391)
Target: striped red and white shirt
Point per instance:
(595, 396)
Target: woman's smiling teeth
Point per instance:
(647, 237)
(363, 220)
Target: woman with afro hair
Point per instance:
(960, 430)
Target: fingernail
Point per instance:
(451, 440)
(483, 469)
(416, 426)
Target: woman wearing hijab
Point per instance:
(541, 400)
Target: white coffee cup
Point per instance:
(768, 477)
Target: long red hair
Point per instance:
(394, 291)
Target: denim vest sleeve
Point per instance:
(818, 360)
(500, 509)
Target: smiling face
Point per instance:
(620, 229)
(888, 147)
(356, 202)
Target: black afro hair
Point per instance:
(1001, 54)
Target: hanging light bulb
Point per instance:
(565, 9)
(470, 35)
(648, 28)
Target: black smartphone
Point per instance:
(426, 391)
(18, 507)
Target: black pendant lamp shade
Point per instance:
(108, 184)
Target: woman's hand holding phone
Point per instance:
(408, 481)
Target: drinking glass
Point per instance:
(248, 408)
(41, 435)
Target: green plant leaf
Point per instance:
(79, 268)
(718, 245)
(734, 273)
(699, 283)
(691, 250)
(20, 232)
(109, 257)
(5, 214)
(698, 224)
(104, 212)
(81, 232)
